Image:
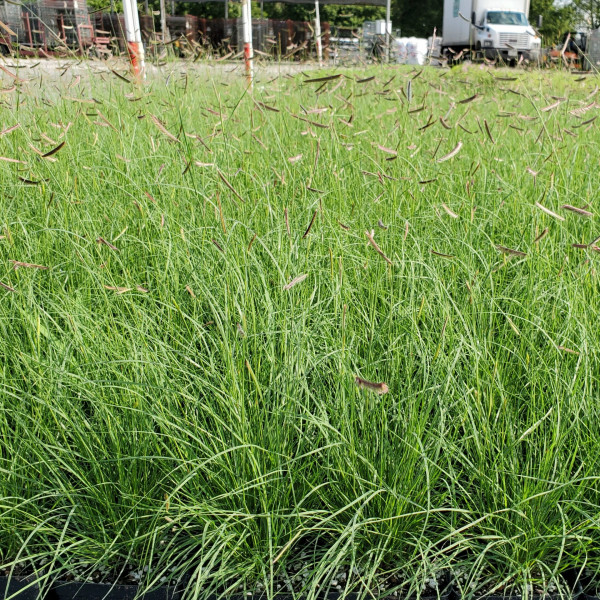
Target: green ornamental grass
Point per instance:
(304, 337)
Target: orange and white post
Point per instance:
(318, 39)
(134, 38)
(247, 30)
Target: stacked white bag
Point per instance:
(410, 50)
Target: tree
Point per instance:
(348, 17)
(556, 19)
(345, 17)
(588, 12)
(417, 17)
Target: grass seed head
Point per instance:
(578, 211)
(102, 241)
(451, 154)
(510, 251)
(379, 388)
(295, 281)
(450, 212)
(540, 237)
(549, 212)
(17, 264)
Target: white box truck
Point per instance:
(491, 28)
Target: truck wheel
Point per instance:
(4, 50)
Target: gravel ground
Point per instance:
(55, 69)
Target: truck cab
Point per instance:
(505, 34)
(491, 28)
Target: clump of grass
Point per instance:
(186, 313)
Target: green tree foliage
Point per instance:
(107, 5)
(417, 17)
(210, 10)
(557, 19)
(346, 17)
(588, 11)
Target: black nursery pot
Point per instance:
(514, 597)
(70, 590)
(21, 588)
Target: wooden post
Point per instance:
(164, 31)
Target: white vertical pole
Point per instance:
(247, 30)
(134, 37)
(388, 27)
(318, 33)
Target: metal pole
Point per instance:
(227, 9)
(318, 33)
(247, 29)
(134, 37)
(173, 7)
(388, 27)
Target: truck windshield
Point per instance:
(497, 17)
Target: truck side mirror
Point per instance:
(540, 21)
(473, 18)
